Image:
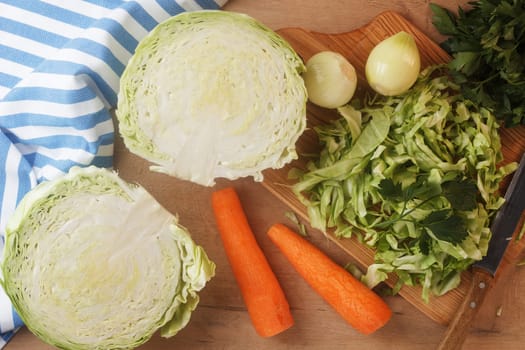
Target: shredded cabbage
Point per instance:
(212, 94)
(92, 262)
(418, 184)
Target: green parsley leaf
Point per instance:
(446, 226)
(462, 195)
(443, 20)
(425, 244)
(391, 191)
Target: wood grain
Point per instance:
(356, 45)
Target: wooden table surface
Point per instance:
(221, 320)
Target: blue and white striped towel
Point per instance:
(60, 63)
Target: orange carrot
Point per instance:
(264, 298)
(354, 301)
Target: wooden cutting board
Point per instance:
(355, 46)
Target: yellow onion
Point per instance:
(393, 65)
(330, 79)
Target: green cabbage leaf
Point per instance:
(213, 94)
(92, 262)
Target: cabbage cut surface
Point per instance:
(92, 262)
(212, 94)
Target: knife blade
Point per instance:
(483, 272)
(505, 222)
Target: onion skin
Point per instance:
(330, 79)
(393, 65)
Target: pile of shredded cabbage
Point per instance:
(415, 177)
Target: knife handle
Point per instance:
(459, 326)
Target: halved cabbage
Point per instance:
(212, 94)
(92, 262)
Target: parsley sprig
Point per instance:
(445, 224)
(487, 43)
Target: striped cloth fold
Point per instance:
(60, 63)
